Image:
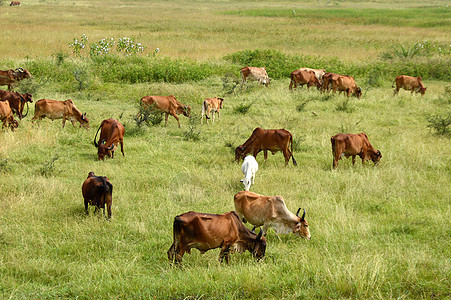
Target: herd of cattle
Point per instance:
(201, 230)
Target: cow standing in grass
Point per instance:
(168, 105)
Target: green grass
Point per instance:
(377, 232)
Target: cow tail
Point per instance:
(332, 141)
(392, 85)
(95, 138)
(292, 156)
(23, 116)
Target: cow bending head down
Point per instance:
(97, 191)
(111, 134)
(168, 105)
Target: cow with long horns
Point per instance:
(111, 134)
(17, 101)
(11, 77)
(97, 191)
(268, 212)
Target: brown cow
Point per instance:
(268, 212)
(111, 135)
(17, 101)
(6, 116)
(11, 77)
(304, 77)
(167, 104)
(97, 191)
(328, 78)
(255, 74)
(267, 139)
(211, 105)
(209, 231)
(65, 110)
(409, 83)
(353, 145)
(319, 73)
(346, 83)
(14, 3)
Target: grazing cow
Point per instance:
(249, 168)
(65, 110)
(409, 83)
(255, 74)
(17, 101)
(11, 77)
(209, 231)
(319, 73)
(267, 139)
(6, 116)
(167, 104)
(328, 79)
(304, 77)
(97, 191)
(353, 145)
(111, 135)
(211, 105)
(14, 3)
(268, 212)
(346, 83)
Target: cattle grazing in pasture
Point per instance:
(14, 3)
(271, 212)
(17, 101)
(111, 134)
(6, 116)
(211, 105)
(299, 77)
(267, 139)
(97, 191)
(346, 83)
(255, 74)
(409, 83)
(353, 145)
(167, 104)
(328, 78)
(209, 231)
(319, 73)
(249, 169)
(11, 77)
(54, 109)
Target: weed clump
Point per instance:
(48, 168)
(193, 133)
(149, 116)
(243, 108)
(440, 123)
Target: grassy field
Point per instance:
(377, 232)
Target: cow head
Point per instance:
(258, 247)
(266, 81)
(104, 150)
(358, 92)
(239, 152)
(22, 73)
(421, 90)
(187, 111)
(84, 121)
(13, 124)
(220, 101)
(301, 227)
(376, 157)
(247, 183)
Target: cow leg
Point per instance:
(64, 122)
(287, 155)
(225, 252)
(166, 120)
(202, 117)
(86, 207)
(218, 115)
(353, 160)
(265, 153)
(177, 118)
(122, 147)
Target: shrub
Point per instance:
(192, 133)
(344, 106)
(48, 168)
(243, 108)
(440, 123)
(148, 116)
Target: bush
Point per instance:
(440, 123)
(243, 108)
(192, 133)
(148, 116)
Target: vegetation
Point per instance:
(377, 232)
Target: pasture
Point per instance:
(377, 232)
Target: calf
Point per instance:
(211, 105)
(249, 168)
(209, 231)
(353, 145)
(97, 191)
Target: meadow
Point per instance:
(377, 232)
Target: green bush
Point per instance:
(440, 123)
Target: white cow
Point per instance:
(249, 168)
(255, 74)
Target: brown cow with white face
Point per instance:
(6, 116)
(209, 231)
(65, 110)
(17, 101)
(255, 74)
(409, 83)
(346, 83)
(111, 134)
(167, 104)
(268, 212)
(97, 191)
(11, 77)
(267, 139)
(211, 105)
(353, 145)
(301, 77)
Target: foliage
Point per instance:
(193, 132)
(4, 166)
(243, 108)
(129, 47)
(344, 106)
(440, 123)
(125, 45)
(149, 116)
(78, 45)
(101, 47)
(48, 168)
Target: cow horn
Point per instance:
(111, 148)
(95, 144)
(303, 216)
(297, 213)
(259, 236)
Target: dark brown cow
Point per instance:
(409, 83)
(167, 104)
(301, 77)
(14, 3)
(54, 109)
(255, 74)
(11, 77)
(111, 135)
(353, 145)
(209, 231)
(97, 191)
(17, 101)
(211, 105)
(6, 116)
(268, 212)
(328, 78)
(346, 83)
(267, 139)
